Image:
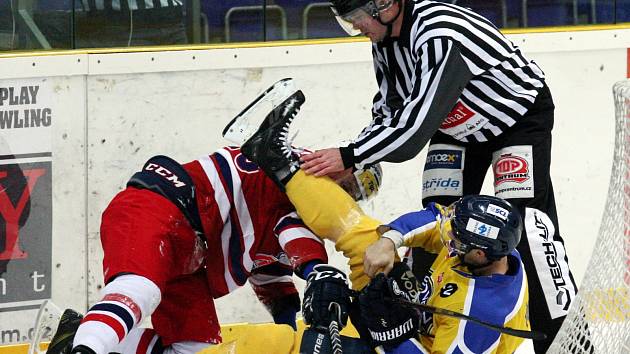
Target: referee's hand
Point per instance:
(322, 162)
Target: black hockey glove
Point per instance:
(390, 323)
(326, 297)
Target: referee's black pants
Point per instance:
(551, 284)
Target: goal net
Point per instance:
(599, 318)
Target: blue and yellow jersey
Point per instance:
(501, 299)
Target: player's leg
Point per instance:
(521, 173)
(186, 319)
(144, 248)
(182, 323)
(323, 206)
(332, 214)
(147, 341)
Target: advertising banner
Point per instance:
(26, 115)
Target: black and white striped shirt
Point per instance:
(126, 5)
(450, 69)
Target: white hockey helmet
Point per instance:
(362, 184)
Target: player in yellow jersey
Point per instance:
(477, 272)
(486, 280)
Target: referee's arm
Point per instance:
(439, 79)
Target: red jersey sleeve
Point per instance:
(298, 241)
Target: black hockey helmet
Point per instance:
(347, 11)
(481, 222)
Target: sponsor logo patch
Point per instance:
(511, 168)
(442, 158)
(482, 229)
(443, 171)
(513, 172)
(497, 211)
(462, 121)
(459, 115)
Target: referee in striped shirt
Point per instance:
(448, 78)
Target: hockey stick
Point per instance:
(333, 329)
(47, 318)
(535, 335)
(240, 129)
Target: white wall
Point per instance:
(120, 109)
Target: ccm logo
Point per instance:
(170, 176)
(511, 168)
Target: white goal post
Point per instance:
(599, 318)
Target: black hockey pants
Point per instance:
(520, 158)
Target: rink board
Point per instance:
(103, 114)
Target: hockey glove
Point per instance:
(326, 297)
(283, 310)
(389, 323)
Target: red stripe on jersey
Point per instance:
(127, 301)
(145, 340)
(108, 321)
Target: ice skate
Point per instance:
(269, 147)
(61, 343)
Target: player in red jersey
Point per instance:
(180, 236)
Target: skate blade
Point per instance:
(247, 122)
(47, 318)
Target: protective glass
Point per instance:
(358, 15)
(449, 236)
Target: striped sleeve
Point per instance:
(438, 81)
(298, 241)
(445, 55)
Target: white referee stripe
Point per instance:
(429, 93)
(493, 128)
(486, 89)
(479, 136)
(486, 107)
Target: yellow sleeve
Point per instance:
(429, 240)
